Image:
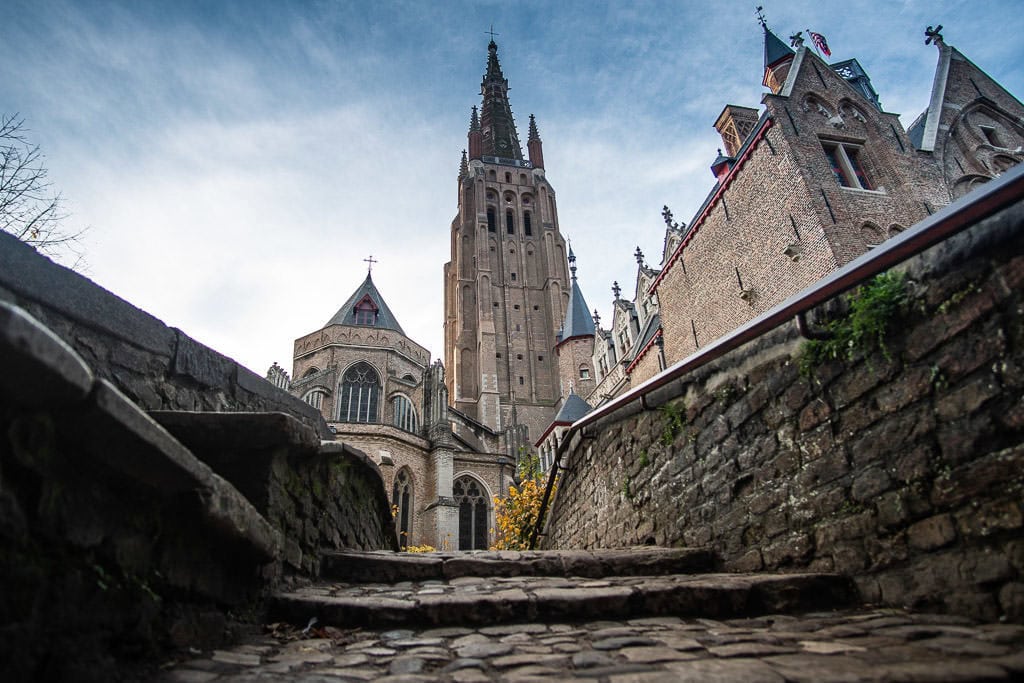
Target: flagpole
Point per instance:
(814, 42)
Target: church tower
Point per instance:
(506, 285)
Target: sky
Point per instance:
(235, 162)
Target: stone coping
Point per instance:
(40, 371)
(402, 566)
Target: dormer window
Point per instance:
(365, 312)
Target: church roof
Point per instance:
(500, 138)
(367, 291)
(774, 48)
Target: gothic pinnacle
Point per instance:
(533, 130)
(463, 166)
(474, 120)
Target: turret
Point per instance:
(535, 146)
(476, 144)
(778, 58)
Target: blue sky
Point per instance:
(236, 161)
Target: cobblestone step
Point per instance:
(385, 566)
(846, 646)
(473, 600)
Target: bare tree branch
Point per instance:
(29, 207)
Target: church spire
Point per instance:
(534, 145)
(463, 166)
(476, 144)
(498, 127)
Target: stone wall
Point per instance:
(157, 367)
(906, 471)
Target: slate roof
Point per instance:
(573, 409)
(346, 315)
(578, 320)
(774, 48)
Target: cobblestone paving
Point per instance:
(852, 645)
(472, 600)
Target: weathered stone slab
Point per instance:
(36, 367)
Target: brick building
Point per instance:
(817, 176)
(507, 285)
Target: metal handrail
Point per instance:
(953, 218)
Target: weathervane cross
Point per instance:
(492, 33)
(370, 261)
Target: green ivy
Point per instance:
(872, 308)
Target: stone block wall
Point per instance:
(905, 472)
(157, 367)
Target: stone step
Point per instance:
(385, 566)
(473, 600)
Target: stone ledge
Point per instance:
(389, 566)
(478, 600)
(36, 367)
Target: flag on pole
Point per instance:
(820, 43)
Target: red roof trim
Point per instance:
(723, 186)
(643, 351)
(551, 428)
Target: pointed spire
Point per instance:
(498, 127)
(534, 145)
(578, 322)
(778, 57)
(476, 144)
(463, 166)
(774, 49)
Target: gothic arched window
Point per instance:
(510, 223)
(405, 415)
(359, 394)
(527, 225)
(401, 505)
(491, 219)
(315, 397)
(472, 500)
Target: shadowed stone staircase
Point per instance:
(383, 589)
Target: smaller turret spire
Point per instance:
(474, 120)
(463, 166)
(534, 146)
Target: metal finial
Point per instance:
(796, 40)
(760, 17)
(492, 33)
(616, 290)
(639, 256)
(597, 318)
(369, 261)
(932, 35)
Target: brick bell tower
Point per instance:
(506, 285)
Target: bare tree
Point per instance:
(30, 209)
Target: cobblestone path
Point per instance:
(458, 621)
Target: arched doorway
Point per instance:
(473, 512)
